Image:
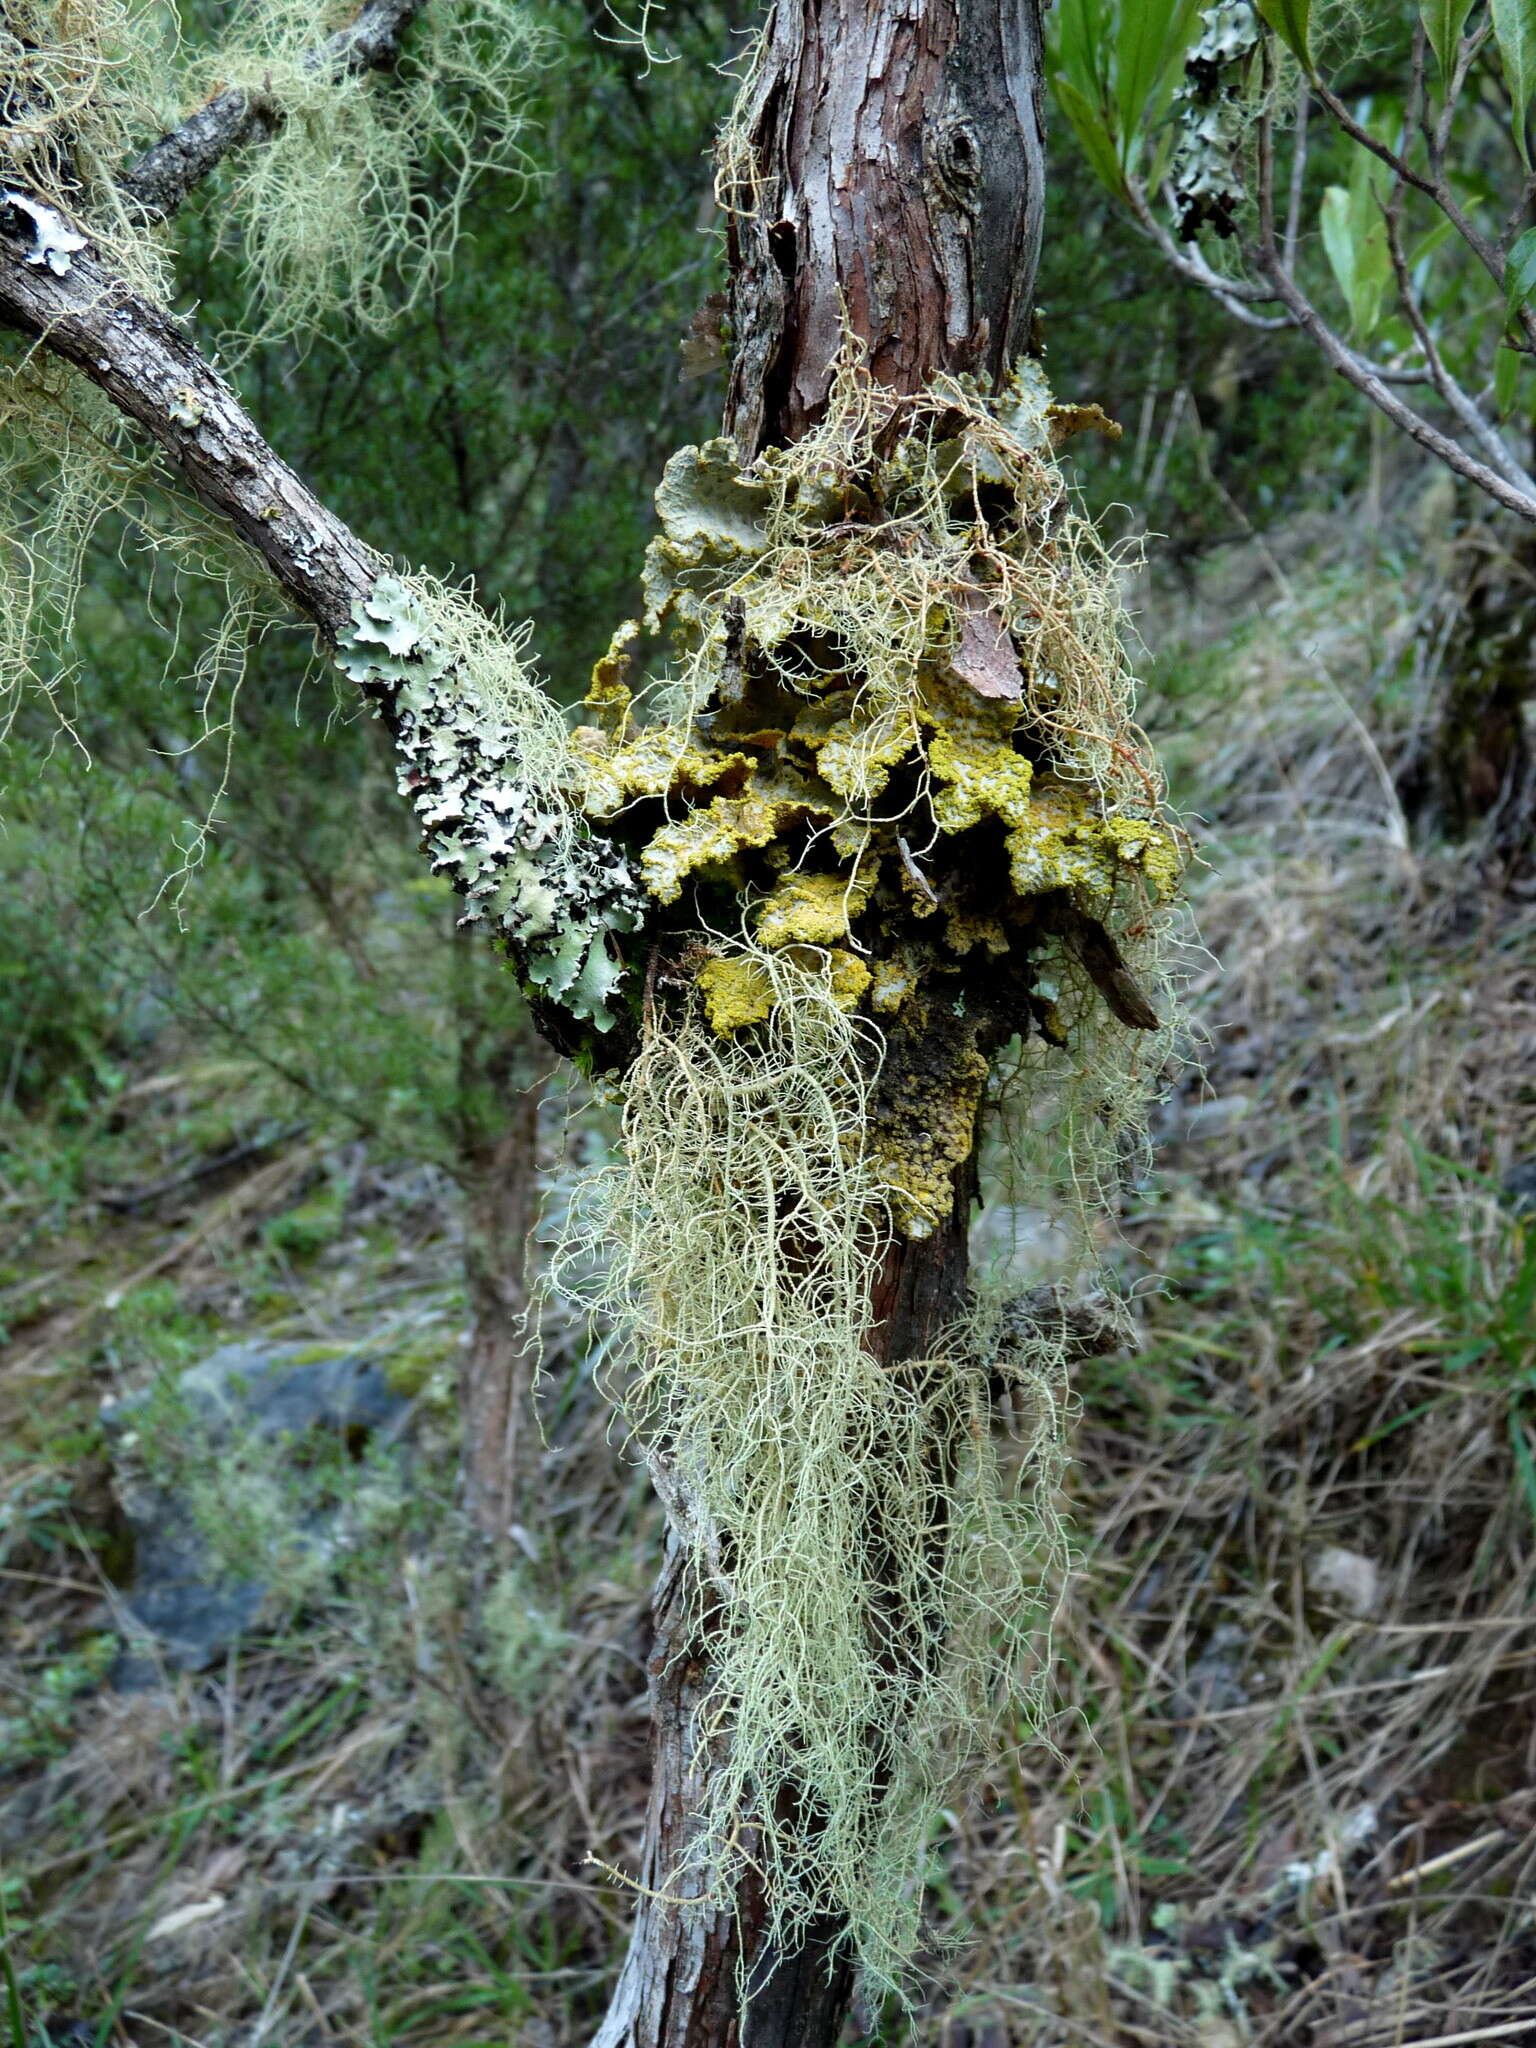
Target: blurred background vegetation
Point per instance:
(255, 1090)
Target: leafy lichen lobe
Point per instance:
(897, 727)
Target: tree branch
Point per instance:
(137, 355)
(1344, 360)
(171, 167)
(1368, 382)
(533, 874)
(1459, 401)
(1235, 295)
(1433, 188)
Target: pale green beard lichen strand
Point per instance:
(877, 1553)
(893, 773)
(486, 763)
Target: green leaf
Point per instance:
(1506, 380)
(1514, 28)
(1444, 21)
(1520, 272)
(1081, 49)
(1355, 242)
(1149, 44)
(1093, 131)
(1430, 241)
(1290, 20)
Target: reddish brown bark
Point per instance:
(894, 174)
(499, 1432)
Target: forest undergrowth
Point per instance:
(1292, 1798)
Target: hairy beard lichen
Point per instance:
(877, 1554)
(902, 842)
(328, 214)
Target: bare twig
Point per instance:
(1237, 295)
(1298, 174)
(1341, 358)
(1460, 402)
(1365, 380)
(1433, 187)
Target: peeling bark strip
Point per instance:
(889, 163)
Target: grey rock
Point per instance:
(181, 1612)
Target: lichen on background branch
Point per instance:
(486, 759)
(325, 214)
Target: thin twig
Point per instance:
(1298, 173)
(1459, 401)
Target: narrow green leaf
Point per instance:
(1355, 243)
(1082, 47)
(1506, 380)
(1151, 40)
(1429, 242)
(1093, 131)
(13, 2011)
(1444, 21)
(1514, 28)
(1338, 244)
(1520, 272)
(1290, 20)
(1525, 1465)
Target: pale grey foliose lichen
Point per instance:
(54, 241)
(482, 770)
(1206, 175)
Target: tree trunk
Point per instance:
(499, 1096)
(500, 1442)
(889, 172)
(1473, 776)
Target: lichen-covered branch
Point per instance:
(170, 168)
(483, 752)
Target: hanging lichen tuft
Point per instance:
(877, 1559)
(902, 842)
(329, 214)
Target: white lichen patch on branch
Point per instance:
(487, 765)
(54, 242)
